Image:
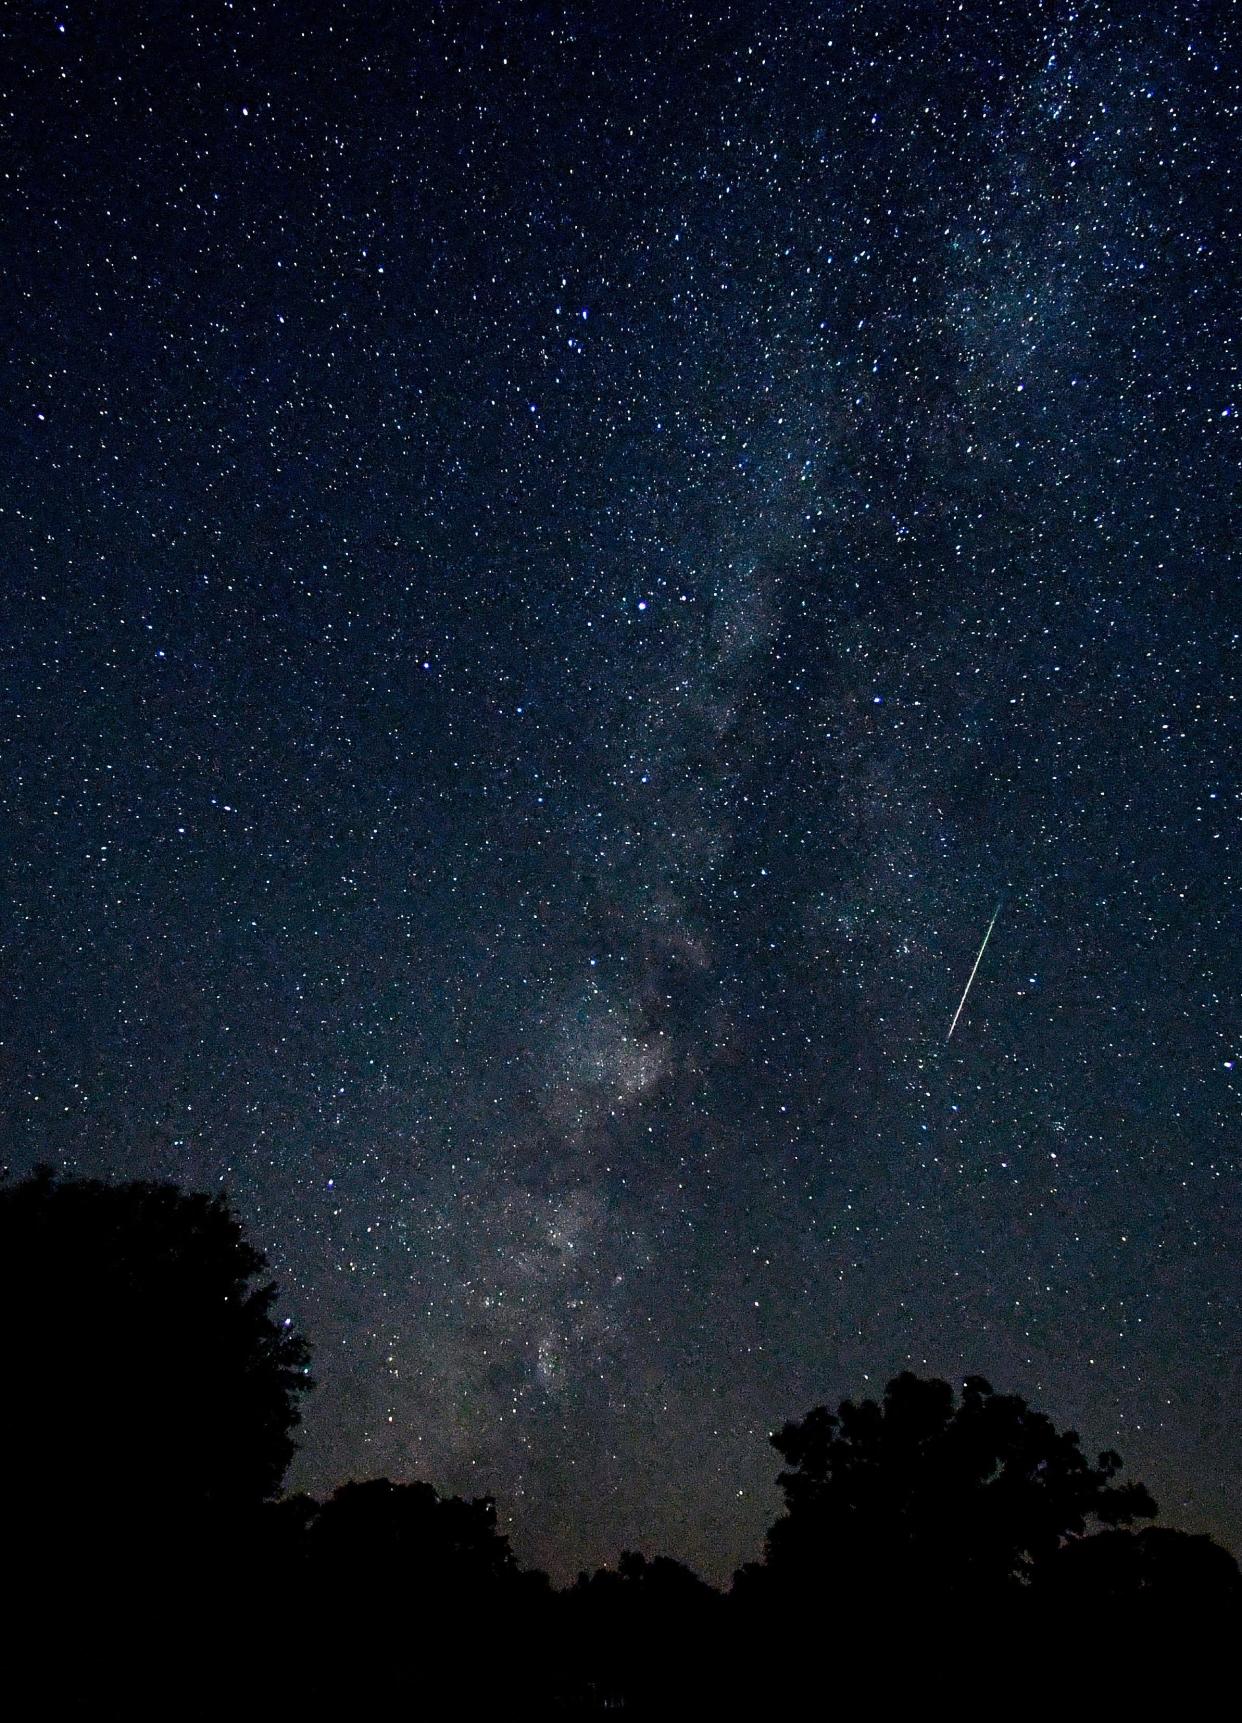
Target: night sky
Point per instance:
(558, 564)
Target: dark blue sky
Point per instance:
(558, 563)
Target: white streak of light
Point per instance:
(978, 961)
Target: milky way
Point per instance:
(558, 563)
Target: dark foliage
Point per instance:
(151, 1395)
(647, 1631)
(382, 1572)
(151, 1403)
(924, 1496)
(381, 1540)
(1158, 1565)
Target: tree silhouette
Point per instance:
(151, 1393)
(643, 1588)
(642, 1634)
(381, 1565)
(924, 1500)
(151, 1397)
(407, 1542)
(1176, 1570)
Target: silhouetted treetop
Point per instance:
(407, 1537)
(648, 1582)
(1177, 1570)
(923, 1493)
(150, 1401)
(145, 1372)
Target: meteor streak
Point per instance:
(978, 961)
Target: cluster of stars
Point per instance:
(557, 566)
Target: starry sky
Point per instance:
(559, 562)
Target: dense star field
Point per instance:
(559, 563)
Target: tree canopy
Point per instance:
(152, 1399)
(407, 1539)
(147, 1376)
(926, 1495)
(1158, 1565)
